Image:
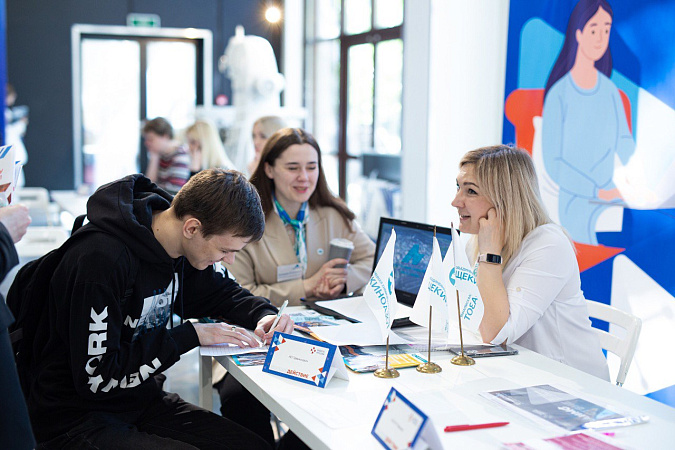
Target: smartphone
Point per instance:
(480, 351)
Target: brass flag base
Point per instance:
(463, 360)
(387, 373)
(429, 367)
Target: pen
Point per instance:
(478, 426)
(281, 311)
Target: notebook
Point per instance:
(411, 257)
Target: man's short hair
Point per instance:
(160, 126)
(224, 202)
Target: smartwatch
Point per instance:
(490, 258)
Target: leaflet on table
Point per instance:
(305, 319)
(419, 338)
(311, 318)
(305, 360)
(349, 307)
(559, 408)
(355, 334)
(401, 424)
(250, 359)
(230, 349)
(575, 441)
(368, 359)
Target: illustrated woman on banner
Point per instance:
(584, 122)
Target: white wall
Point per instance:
(415, 114)
(293, 50)
(463, 107)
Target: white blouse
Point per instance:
(547, 309)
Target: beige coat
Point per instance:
(255, 267)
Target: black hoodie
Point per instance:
(108, 326)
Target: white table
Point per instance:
(450, 397)
(71, 201)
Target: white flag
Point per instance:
(434, 292)
(379, 294)
(463, 278)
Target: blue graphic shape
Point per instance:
(647, 235)
(451, 276)
(665, 395)
(390, 283)
(413, 256)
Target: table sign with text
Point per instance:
(401, 424)
(305, 360)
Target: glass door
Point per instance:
(120, 80)
(110, 109)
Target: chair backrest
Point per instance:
(38, 196)
(37, 201)
(624, 347)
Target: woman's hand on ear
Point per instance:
(490, 233)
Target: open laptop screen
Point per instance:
(411, 254)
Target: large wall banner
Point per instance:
(590, 93)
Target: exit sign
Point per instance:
(143, 20)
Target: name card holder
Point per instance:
(304, 360)
(401, 424)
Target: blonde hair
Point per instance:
(270, 125)
(506, 176)
(213, 152)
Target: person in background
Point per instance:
(206, 148)
(263, 128)
(168, 160)
(301, 218)
(15, 429)
(527, 271)
(16, 121)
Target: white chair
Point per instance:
(37, 201)
(624, 347)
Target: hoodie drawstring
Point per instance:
(182, 271)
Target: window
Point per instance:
(354, 57)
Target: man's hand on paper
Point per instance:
(264, 332)
(223, 333)
(16, 219)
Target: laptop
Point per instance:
(411, 258)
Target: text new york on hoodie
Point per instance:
(107, 341)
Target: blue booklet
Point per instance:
(560, 408)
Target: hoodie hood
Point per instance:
(124, 208)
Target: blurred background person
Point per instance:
(168, 160)
(206, 148)
(15, 428)
(16, 121)
(263, 128)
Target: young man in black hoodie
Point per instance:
(142, 257)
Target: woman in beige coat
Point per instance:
(301, 218)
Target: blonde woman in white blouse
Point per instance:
(527, 272)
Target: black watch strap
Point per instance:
(490, 258)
